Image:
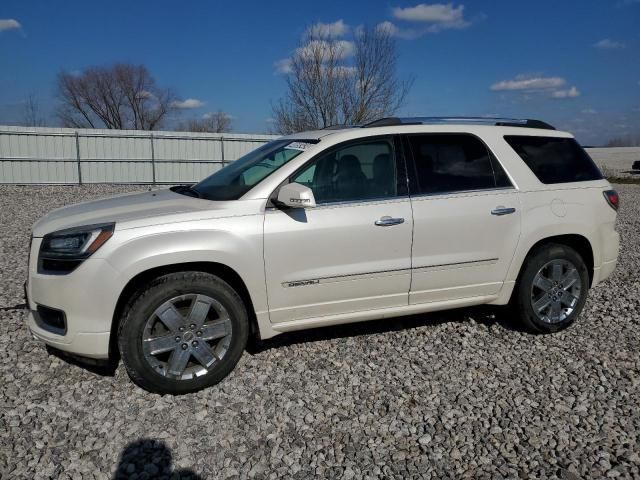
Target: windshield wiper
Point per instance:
(187, 190)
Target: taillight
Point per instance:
(612, 198)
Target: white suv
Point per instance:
(319, 228)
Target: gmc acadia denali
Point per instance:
(399, 216)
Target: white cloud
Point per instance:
(523, 82)
(283, 66)
(339, 48)
(589, 111)
(9, 24)
(144, 94)
(209, 115)
(438, 16)
(608, 44)
(401, 32)
(345, 71)
(388, 27)
(572, 92)
(189, 103)
(346, 48)
(323, 50)
(329, 30)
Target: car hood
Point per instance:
(135, 210)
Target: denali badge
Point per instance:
(301, 283)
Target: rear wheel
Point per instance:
(184, 332)
(552, 288)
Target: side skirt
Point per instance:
(379, 314)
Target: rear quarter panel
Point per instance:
(565, 209)
(577, 208)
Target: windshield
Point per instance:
(237, 178)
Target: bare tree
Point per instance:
(121, 96)
(334, 82)
(214, 122)
(32, 115)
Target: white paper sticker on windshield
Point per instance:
(299, 145)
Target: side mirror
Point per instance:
(295, 195)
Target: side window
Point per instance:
(355, 172)
(452, 163)
(554, 159)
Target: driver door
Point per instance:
(350, 253)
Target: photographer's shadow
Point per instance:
(147, 458)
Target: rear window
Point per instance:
(553, 159)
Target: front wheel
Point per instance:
(552, 288)
(183, 332)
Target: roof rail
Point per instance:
(498, 121)
(337, 126)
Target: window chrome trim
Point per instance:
(349, 203)
(463, 192)
(358, 202)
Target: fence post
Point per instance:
(222, 149)
(78, 158)
(153, 161)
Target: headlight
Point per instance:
(61, 252)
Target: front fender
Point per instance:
(238, 246)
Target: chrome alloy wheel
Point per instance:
(186, 336)
(556, 291)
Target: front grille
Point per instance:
(51, 319)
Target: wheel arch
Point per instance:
(137, 282)
(579, 243)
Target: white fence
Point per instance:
(615, 160)
(67, 156)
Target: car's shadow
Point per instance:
(487, 315)
(105, 368)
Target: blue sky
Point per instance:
(573, 63)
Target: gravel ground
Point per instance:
(455, 394)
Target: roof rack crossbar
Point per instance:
(498, 121)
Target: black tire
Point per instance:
(522, 295)
(142, 307)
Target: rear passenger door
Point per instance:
(466, 218)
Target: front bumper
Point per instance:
(92, 345)
(87, 296)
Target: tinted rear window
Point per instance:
(553, 159)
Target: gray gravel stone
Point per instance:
(453, 394)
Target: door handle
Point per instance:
(387, 221)
(502, 211)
